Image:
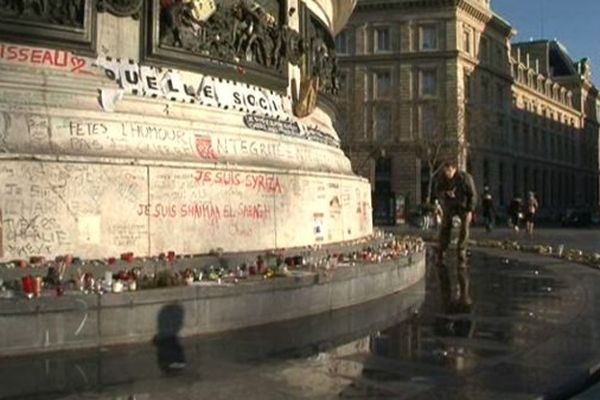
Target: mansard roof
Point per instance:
(553, 57)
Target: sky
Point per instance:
(575, 23)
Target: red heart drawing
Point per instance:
(77, 63)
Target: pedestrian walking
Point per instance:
(458, 196)
(438, 213)
(426, 215)
(514, 213)
(488, 211)
(531, 208)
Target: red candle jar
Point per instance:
(27, 285)
(127, 257)
(171, 256)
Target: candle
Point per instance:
(28, 285)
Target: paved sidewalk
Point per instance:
(587, 240)
(533, 333)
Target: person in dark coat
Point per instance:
(487, 207)
(458, 195)
(514, 212)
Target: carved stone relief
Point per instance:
(121, 8)
(57, 12)
(66, 24)
(319, 69)
(322, 57)
(242, 31)
(251, 35)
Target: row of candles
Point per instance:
(266, 267)
(559, 251)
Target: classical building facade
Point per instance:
(187, 126)
(426, 81)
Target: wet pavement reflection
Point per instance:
(530, 329)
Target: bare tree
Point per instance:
(445, 137)
(376, 150)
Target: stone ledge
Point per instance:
(46, 325)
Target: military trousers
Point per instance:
(445, 235)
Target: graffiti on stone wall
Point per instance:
(111, 137)
(40, 57)
(50, 208)
(319, 226)
(256, 182)
(37, 234)
(127, 235)
(267, 149)
(212, 212)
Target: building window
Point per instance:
(500, 120)
(484, 49)
(515, 134)
(383, 84)
(382, 121)
(499, 96)
(515, 179)
(343, 84)
(526, 137)
(382, 39)
(536, 141)
(544, 187)
(499, 56)
(485, 90)
(486, 172)
(429, 37)
(428, 82)
(429, 121)
(467, 41)
(468, 86)
(468, 128)
(501, 184)
(341, 43)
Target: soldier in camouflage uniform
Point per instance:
(458, 195)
